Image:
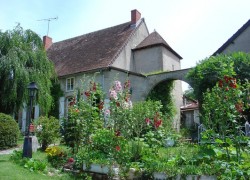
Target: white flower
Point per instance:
(127, 105)
(39, 128)
(113, 94)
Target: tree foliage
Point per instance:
(22, 60)
(189, 93)
(210, 70)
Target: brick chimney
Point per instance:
(47, 42)
(135, 16)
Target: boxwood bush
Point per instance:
(9, 131)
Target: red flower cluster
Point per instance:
(147, 120)
(72, 103)
(239, 107)
(93, 88)
(87, 93)
(118, 148)
(117, 133)
(100, 106)
(157, 121)
(71, 160)
(118, 104)
(227, 81)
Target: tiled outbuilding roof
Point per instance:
(155, 39)
(231, 39)
(91, 51)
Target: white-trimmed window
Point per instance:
(70, 83)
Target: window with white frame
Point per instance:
(70, 82)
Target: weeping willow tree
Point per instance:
(23, 60)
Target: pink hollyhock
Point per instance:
(118, 86)
(107, 112)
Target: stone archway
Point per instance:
(145, 84)
(155, 79)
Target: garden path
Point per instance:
(9, 151)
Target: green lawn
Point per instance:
(12, 171)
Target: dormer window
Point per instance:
(70, 83)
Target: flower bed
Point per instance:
(140, 140)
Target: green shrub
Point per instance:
(47, 131)
(31, 164)
(9, 131)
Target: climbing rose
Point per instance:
(157, 123)
(147, 121)
(239, 107)
(118, 148)
(71, 160)
(220, 83)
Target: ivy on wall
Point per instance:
(163, 92)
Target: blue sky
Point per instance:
(193, 28)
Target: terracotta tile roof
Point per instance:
(155, 39)
(191, 106)
(231, 39)
(90, 51)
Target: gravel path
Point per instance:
(9, 151)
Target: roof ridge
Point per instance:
(89, 33)
(155, 39)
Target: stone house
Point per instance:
(124, 51)
(239, 41)
(190, 113)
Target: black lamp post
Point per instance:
(27, 145)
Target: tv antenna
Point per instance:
(49, 19)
